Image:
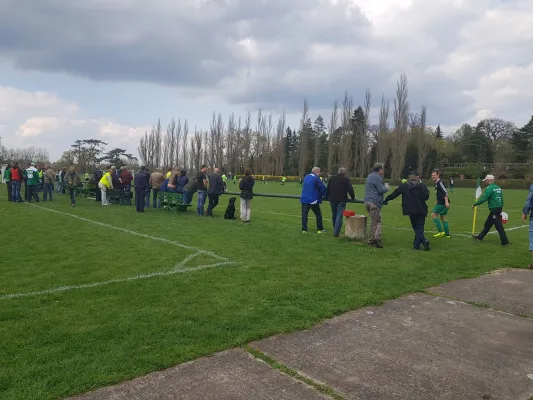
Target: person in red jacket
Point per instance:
(126, 177)
(16, 180)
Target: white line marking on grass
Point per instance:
(160, 239)
(119, 280)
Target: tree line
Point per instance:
(400, 139)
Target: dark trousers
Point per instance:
(72, 193)
(9, 191)
(318, 215)
(155, 196)
(495, 219)
(418, 222)
(140, 201)
(213, 202)
(33, 192)
(47, 191)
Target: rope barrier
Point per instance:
(285, 196)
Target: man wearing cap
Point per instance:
(494, 196)
(32, 181)
(414, 196)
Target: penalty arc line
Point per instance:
(160, 239)
(118, 280)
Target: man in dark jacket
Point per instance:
(141, 184)
(216, 184)
(97, 176)
(339, 187)
(414, 196)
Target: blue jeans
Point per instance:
(48, 189)
(72, 192)
(186, 197)
(157, 198)
(531, 234)
(59, 187)
(418, 222)
(15, 191)
(202, 196)
(337, 207)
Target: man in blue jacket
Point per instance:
(141, 184)
(374, 191)
(312, 192)
(527, 213)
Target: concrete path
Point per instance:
(468, 339)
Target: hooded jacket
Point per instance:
(414, 196)
(312, 190)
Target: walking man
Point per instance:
(440, 211)
(374, 191)
(493, 195)
(339, 187)
(141, 183)
(313, 191)
(32, 181)
(72, 179)
(414, 196)
(216, 185)
(201, 178)
(527, 212)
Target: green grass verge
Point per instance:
(61, 343)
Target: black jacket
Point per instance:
(247, 186)
(215, 184)
(414, 197)
(339, 187)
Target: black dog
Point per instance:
(230, 210)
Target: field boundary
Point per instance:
(180, 267)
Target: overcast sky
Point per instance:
(108, 69)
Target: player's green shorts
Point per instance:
(439, 209)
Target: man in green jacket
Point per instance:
(32, 180)
(7, 180)
(494, 196)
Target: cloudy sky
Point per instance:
(74, 69)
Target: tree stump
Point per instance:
(355, 227)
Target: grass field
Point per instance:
(94, 295)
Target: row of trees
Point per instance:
(25, 155)
(400, 139)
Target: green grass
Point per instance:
(58, 344)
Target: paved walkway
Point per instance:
(468, 339)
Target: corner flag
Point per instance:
(478, 188)
(477, 196)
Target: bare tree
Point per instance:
(423, 140)
(169, 143)
(158, 141)
(280, 145)
(185, 144)
(247, 140)
(332, 129)
(177, 146)
(303, 151)
(346, 126)
(383, 140)
(401, 124)
(496, 129)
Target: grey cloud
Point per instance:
(193, 46)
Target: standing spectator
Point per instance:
(440, 211)
(247, 186)
(61, 180)
(339, 187)
(7, 180)
(155, 181)
(126, 177)
(141, 184)
(374, 191)
(452, 184)
(527, 212)
(183, 179)
(72, 179)
(493, 194)
(216, 185)
(32, 181)
(202, 190)
(48, 185)
(225, 180)
(97, 176)
(16, 179)
(173, 179)
(312, 192)
(105, 184)
(414, 196)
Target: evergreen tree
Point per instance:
(438, 133)
(522, 143)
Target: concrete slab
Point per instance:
(508, 290)
(418, 347)
(232, 374)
